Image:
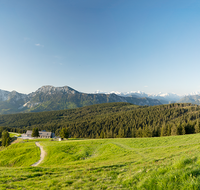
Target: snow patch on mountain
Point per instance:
(140, 94)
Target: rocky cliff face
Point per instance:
(4, 95)
(49, 90)
(49, 98)
(15, 96)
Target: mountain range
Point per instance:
(195, 99)
(164, 98)
(48, 98)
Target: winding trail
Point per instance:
(42, 155)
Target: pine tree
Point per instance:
(179, 129)
(139, 132)
(168, 130)
(183, 130)
(36, 132)
(33, 133)
(174, 130)
(5, 138)
(197, 127)
(102, 134)
(64, 133)
(133, 131)
(121, 132)
(8, 141)
(163, 130)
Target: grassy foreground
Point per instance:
(144, 163)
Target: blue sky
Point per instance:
(89, 45)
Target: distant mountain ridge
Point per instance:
(164, 98)
(194, 99)
(48, 98)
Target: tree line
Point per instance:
(113, 120)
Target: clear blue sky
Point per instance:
(89, 45)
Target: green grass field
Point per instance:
(14, 134)
(143, 163)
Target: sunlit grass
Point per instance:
(144, 163)
(19, 154)
(14, 134)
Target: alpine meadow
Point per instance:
(103, 151)
(99, 95)
(121, 163)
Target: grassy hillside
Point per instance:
(142, 163)
(19, 154)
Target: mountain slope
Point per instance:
(194, 99)
(48, 98)
(11, 102)
(164, 98)
(59, 101)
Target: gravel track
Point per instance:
(42, 155)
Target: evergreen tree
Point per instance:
(64, 133)
(179, 129)
(183, 129)
(33, 133)
(163, 130)
(139, 132)
(197, 130)
(168, 130)
(102, 134)
(174, 130)
(133, 131)
(121, 132)
(149, 131)
(36, 132)
(5, 138)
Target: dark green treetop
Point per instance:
(64, 133)
(5, 138)
(35, 132)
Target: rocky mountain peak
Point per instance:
(4, 95)
(52, 90)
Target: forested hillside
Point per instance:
(113, 120)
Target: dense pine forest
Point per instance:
(111, 120)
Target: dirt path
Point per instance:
(42, 154)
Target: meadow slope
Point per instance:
(127, 163)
